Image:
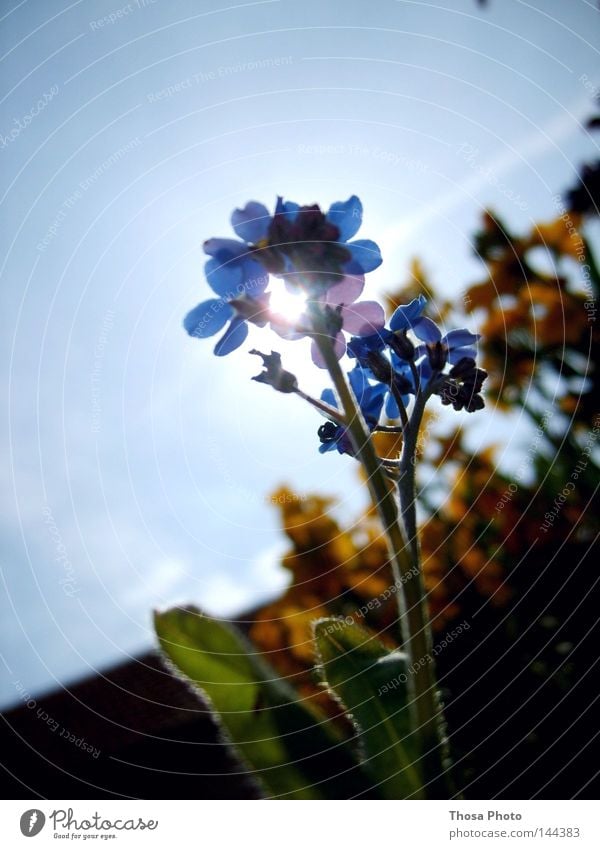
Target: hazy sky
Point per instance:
(136, 466)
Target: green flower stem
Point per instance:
(382, 495)
(330, 412)
(431, 718)
(400, 402)
(406, 484)
(416, 634)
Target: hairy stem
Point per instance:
(400, 402)
(330, 412)
(406, 568)
(429, 706)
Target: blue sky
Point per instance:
(136, 466)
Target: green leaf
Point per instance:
(288, 747)
(370, 682)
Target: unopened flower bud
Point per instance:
(274, 375)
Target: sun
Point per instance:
(289, 308)
(287, 305)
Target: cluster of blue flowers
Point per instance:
(309, 250)
(400, 369)
(315, 253)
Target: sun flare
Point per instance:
(287, 305)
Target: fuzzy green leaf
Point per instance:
(288, 748)
(370, 682)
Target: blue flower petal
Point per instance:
(223, 279)
(391, 407)
(461, 338)
(207, 318)
(253, 278)
(287, 208)
(373, 403)
(457, 354)
(402, 367)
(363, 318)
(252, 222)
(328, 396)
(427, 330)
(233, 337)
(366, 256)
(358, 382)
(405, 316)
(361, 346)
(392, 410)
(370, 398)
(225, 249)
(327, 446)
(347, 217)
